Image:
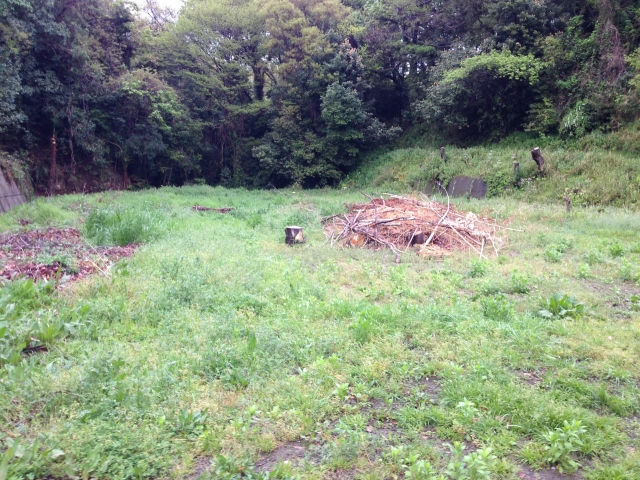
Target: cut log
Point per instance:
(537, 157)
(293, 235)
(199, 208)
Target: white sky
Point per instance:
(175, 4)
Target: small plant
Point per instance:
(593, 257)
(520, 282)
(616, 250)
(341, 391)
(561, 443)
(231, 468)
(362, 329)
(635, 303)
(562, 306)
(627, 272)
(255, 221)
(478, 268)
(467, 411)
(497, 308)
(475, 466)
(583, 271)
(190, 422)
(420, 470)
(552, 254)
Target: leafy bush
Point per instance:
(123, 226)
(561, 306)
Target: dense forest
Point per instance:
(101, 93)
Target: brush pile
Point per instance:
(398, 223)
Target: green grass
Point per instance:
(595, 170)
(218, 343)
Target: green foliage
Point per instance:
(497, 308)
(520, 282)
(504, 63)
(562, 306)
(477, 465)
(362, 328)
(478, 268)
(562, 442)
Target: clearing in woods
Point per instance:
(217, 351)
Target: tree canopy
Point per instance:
(280, 92)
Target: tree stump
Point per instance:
(293, 235)
(537, 157)
(567, 204)
(418, 239)
(443, 155)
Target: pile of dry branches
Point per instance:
(399, 223)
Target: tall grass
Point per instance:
(124, 226)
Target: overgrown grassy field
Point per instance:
(217, 351)
(595, 170)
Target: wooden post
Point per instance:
(516, 171)
(537, 157)
(53, 177)
(443, 156)
(293, 235)
(567, 203)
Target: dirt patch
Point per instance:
(429, 387)
(55, 253)
(341, 474)
(290, 451)
(527, 473)
(532, 378)
(202, 465)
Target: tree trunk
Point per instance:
(293, 235)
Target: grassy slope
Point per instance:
(362, 362)
(595, 170)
